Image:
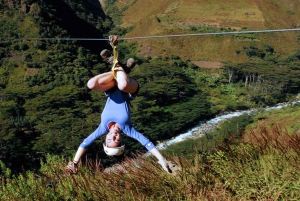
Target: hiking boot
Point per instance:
(106, 55)
(130, 63)
(128, 66)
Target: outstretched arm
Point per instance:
(78, 155)
(72, 166)
(131, 132)
(160, 158)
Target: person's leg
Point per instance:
(106, 81)
(126, 83)
(102, 82)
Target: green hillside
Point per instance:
(46, 110)
(153, 18)
(263, 165)
(46, 107)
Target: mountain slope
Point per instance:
(157, 17)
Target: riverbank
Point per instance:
(208, 126)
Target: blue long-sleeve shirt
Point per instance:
(117, 110)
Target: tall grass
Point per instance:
(263, 166)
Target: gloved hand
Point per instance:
(164, 165)
(72, 168)
(169, 166)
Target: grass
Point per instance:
(263, 164)
(177, 17)
(28, 29)
(287, 118)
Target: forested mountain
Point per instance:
(32, 69)
(46, 107)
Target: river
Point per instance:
(207, 126)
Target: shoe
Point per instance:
(126, 69)
(130, 63)
(128, 66)
(106, 55)
(72, 168)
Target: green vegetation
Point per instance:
(259, 165)
(45, 106)
(46, 110)
(177, 17)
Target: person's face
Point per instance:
(113, 138)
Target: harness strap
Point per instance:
(113, 42)
(113, 39)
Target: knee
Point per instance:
(90, 84)
(122, 84)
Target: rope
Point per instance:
(168, 36)
(113, 42)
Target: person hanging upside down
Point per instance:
(120, 89)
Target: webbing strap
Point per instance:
(113, 42)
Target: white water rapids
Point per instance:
(206, 126)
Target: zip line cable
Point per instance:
(214, 33)
(169, 36)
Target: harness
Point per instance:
(113, 39)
